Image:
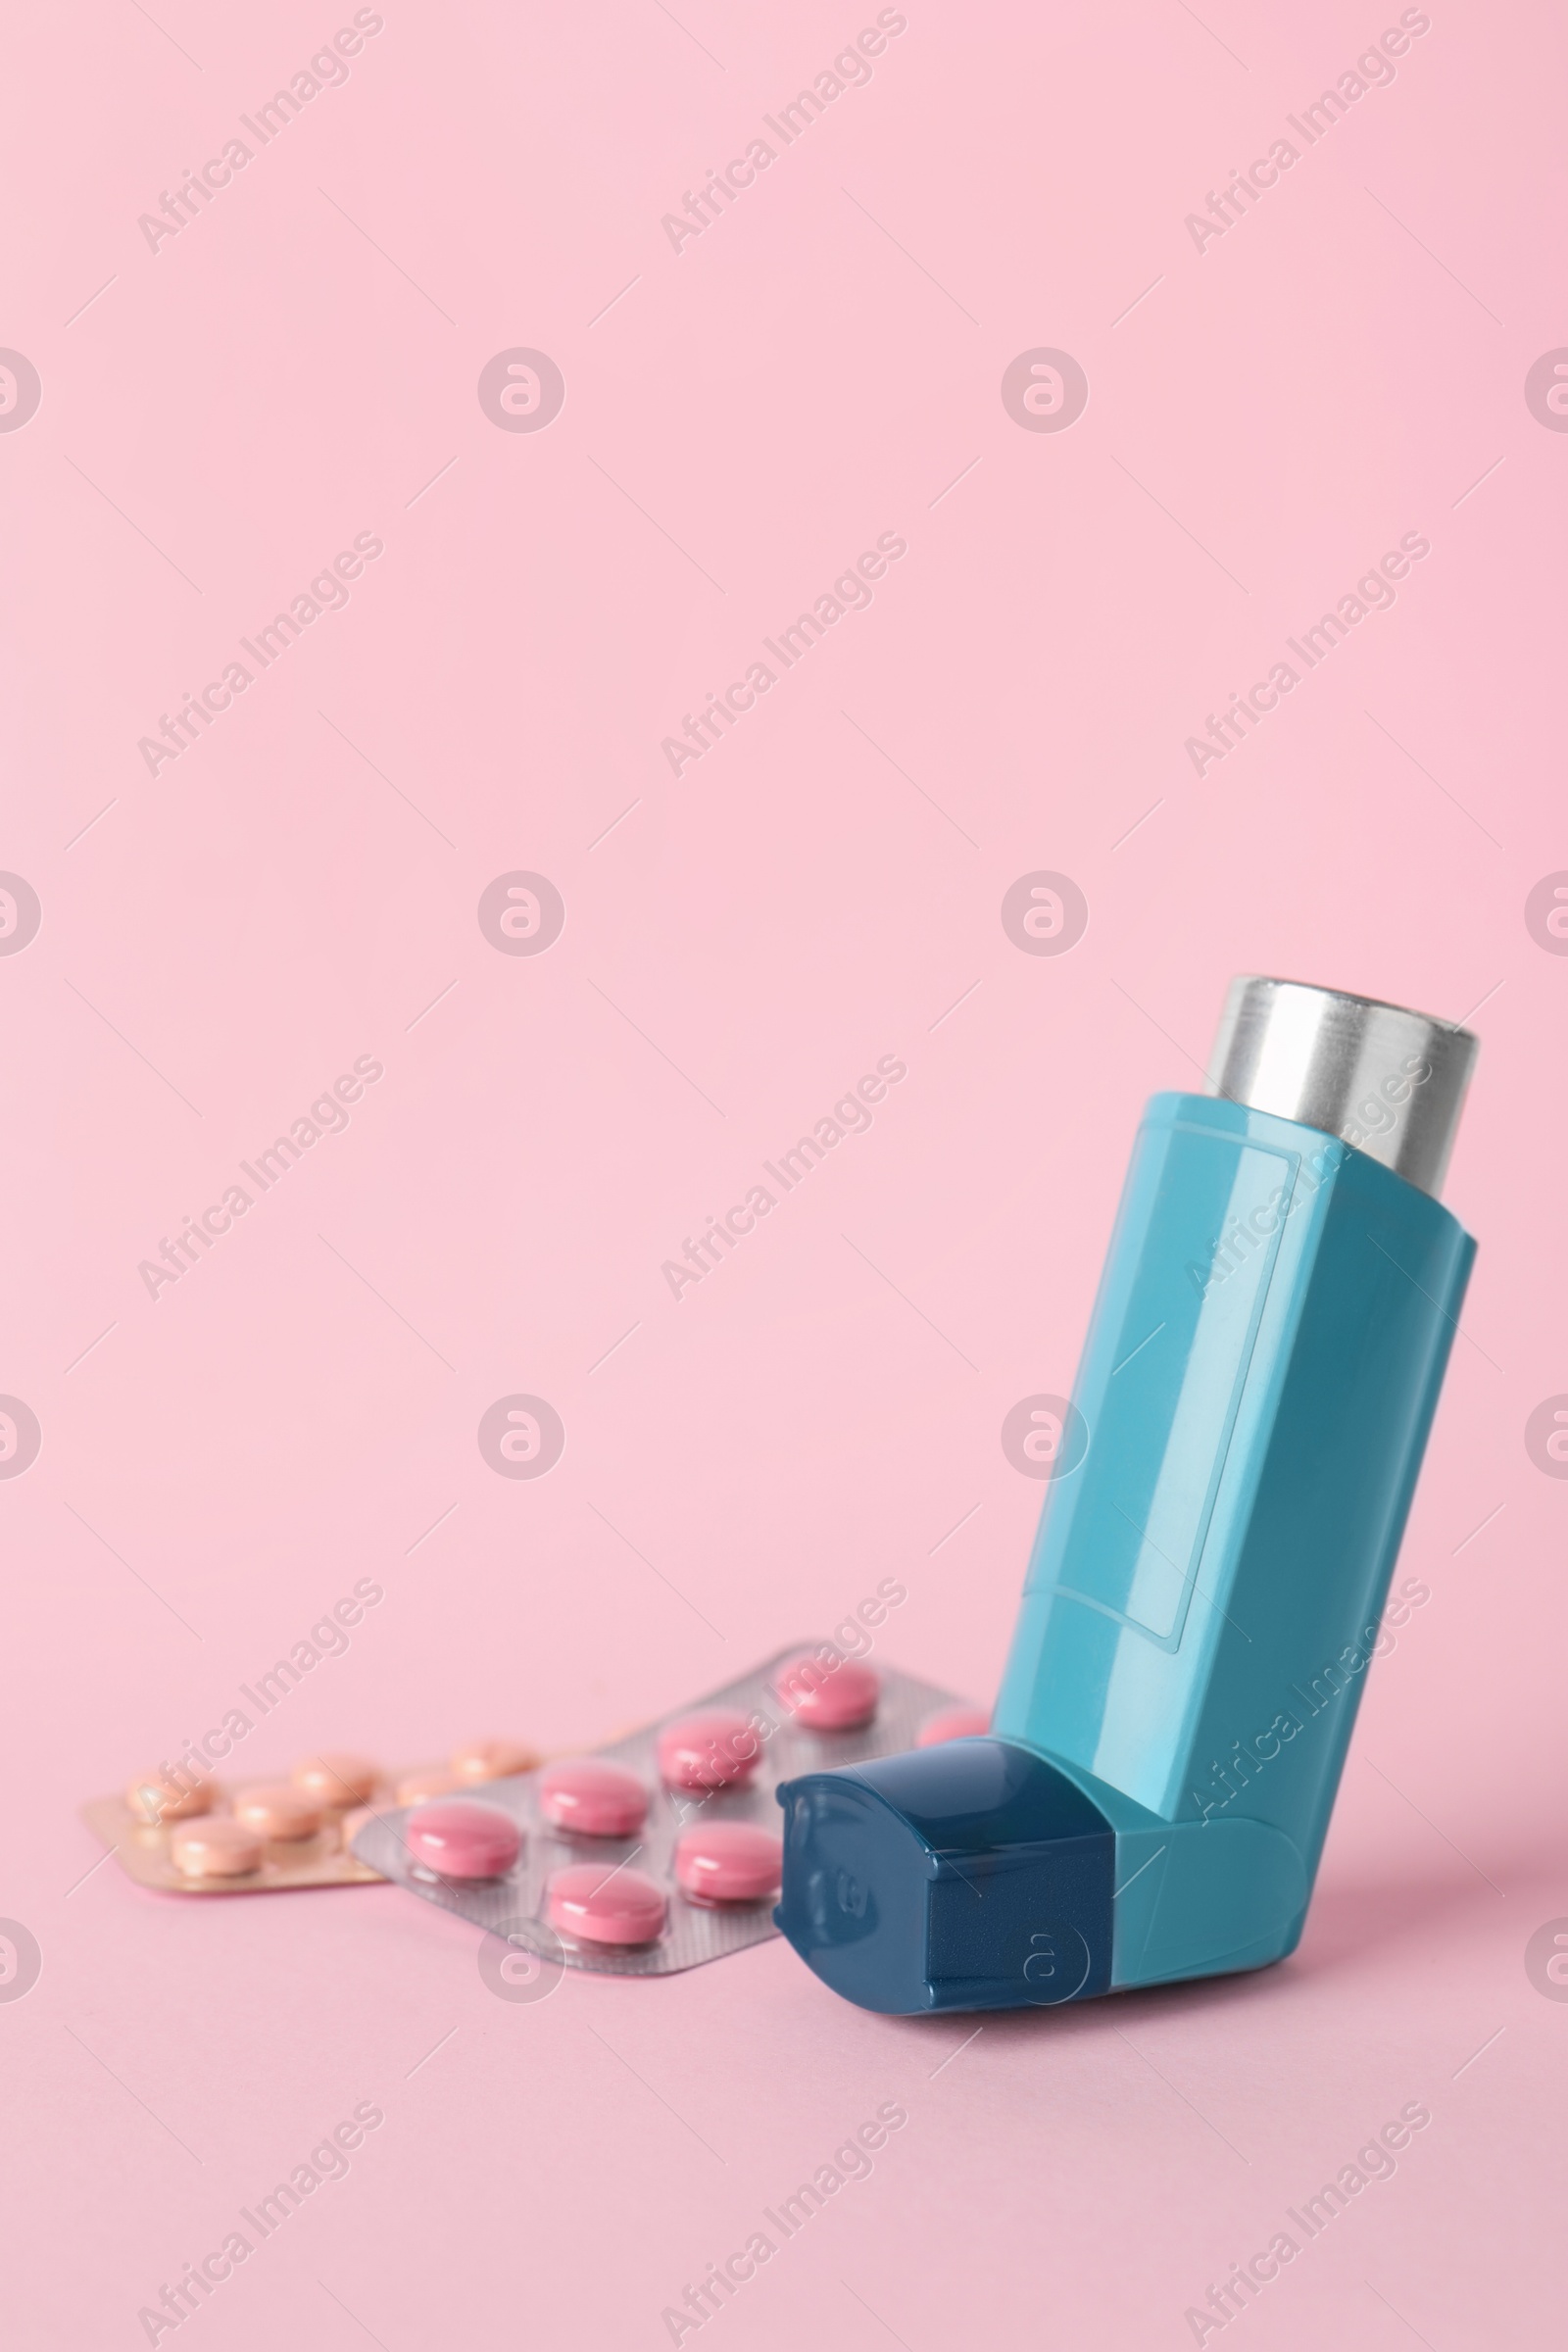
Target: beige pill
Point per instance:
(434, 1781)
(216, 1848)
(336, 1779)
(278, 1812)
(159, 1796)
(492, 1759)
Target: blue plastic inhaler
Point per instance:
(1206, 1588)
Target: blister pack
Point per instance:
(179, 1829)
(662, 1849)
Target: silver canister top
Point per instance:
(1390, 1081)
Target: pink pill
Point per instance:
(462, 1838)
(600, 1906)
(594, 1798)
(728, 1862)
(828, 1697)
(954, 1723)
(716, 1749)
(217, 1848)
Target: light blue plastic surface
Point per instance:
(1202, 1599)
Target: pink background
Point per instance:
(220, 416)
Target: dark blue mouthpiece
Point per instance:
(970, 1876)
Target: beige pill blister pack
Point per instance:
(184, 1833)
(662, 1850)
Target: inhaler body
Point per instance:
(1204, 1594)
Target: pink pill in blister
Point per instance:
(715, 1749)
(458, 1837)
(728, 1862)
(827, 1694)
(954, 1723)
(593, 1797)
(600, 1906)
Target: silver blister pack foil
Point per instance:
(514, 1905)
